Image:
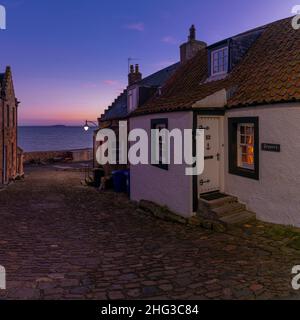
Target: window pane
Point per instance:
(220, 61)
(250, 160)
(246, 147)
(249, 140)
(250, 150)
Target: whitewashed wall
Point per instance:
(276, 196)
(171, 188)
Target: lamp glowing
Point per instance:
(86, 127)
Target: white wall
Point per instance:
(171, 188)
(276, 196)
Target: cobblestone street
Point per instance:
(62, 240)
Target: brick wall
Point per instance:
(8, 128)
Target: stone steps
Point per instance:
(217, 203)
(239, 217)
(227, 210)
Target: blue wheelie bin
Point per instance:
(127, 176)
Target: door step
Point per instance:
(226, 209)
(239, 217)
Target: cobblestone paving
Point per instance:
(61, 240)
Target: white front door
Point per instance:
(209, 181)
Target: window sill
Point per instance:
(246, 173)
(215, 77)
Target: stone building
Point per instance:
(11, 157)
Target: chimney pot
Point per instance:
(134, 75)
(192, 35)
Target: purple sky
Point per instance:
(69, 58)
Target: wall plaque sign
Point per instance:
(270, 147)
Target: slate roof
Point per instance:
(118, 110)
(159, 78)
(268, 73)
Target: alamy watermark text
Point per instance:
(152, 147)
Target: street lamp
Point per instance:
(87, 125)
(87, 128)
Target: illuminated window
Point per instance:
(243, 146)
(219, 61)
(246, 146)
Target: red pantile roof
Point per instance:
(268, 73)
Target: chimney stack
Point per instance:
(189, 49)
(134, 75)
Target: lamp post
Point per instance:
(87, 128)
(87, 125)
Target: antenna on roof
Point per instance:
(129, 62)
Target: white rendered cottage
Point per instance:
(245, 92)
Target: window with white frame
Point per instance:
(245, 145)
(130, 101)
(133, 99)
(160, 124)
(219, 61)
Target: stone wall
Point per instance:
(50, 156)
(8, 129)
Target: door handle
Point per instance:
(218, 156)
(204, 128)
(202, 182)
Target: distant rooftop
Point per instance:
(118, 110)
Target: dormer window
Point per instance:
(133, 99)
(219, 61)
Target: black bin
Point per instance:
(98, 175)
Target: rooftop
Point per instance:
(268, 73)
(118, 110)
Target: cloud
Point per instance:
(111, 82)
(169, 40)
(139, 26)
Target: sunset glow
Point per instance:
(66, 71)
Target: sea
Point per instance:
(54, 138)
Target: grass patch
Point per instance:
(295, 243)
(290, 235)
(281, 232)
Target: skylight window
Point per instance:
(219, 61)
